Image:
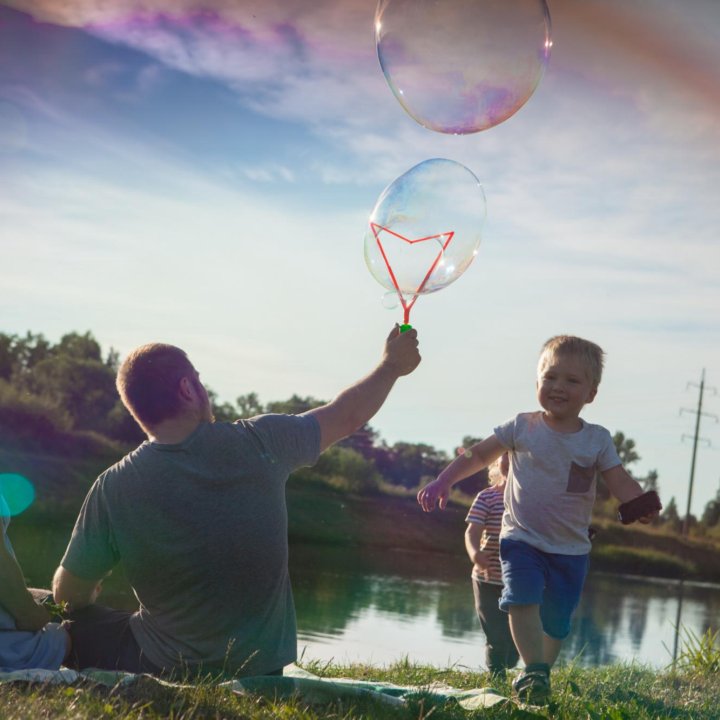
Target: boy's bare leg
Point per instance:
(551, 649)
(527, 632)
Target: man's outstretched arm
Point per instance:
(356, 405)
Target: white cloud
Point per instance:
(602, 217)
(269, 173)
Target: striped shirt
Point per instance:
(487, 510)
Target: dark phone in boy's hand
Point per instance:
(642, 505)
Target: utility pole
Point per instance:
(695, 438)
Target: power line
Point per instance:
(695, 438)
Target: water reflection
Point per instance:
(377, 606)
(360, 606)
(333, 588)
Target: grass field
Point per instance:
(691, 692)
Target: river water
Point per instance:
(379, 607)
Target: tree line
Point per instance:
(69, 386)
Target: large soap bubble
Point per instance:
(16, 494)
(425, 230)
(460, 66)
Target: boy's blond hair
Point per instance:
(590, 354)
(494, 471)
(494, 474)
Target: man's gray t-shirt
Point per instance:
(551, 487)
(201, 530)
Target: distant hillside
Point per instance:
(325, 516)
(62, 464)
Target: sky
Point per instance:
(202, 173)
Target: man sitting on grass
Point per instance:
(197, 517)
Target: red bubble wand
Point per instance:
(444, 240)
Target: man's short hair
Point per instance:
(148, 381)
(590, 354)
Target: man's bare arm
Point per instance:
(356, 405)
(75, 591)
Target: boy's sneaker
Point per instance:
(532, 685)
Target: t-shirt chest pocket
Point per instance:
(580, 478)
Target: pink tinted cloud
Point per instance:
(292, 59)
(636, 48)
(259, 38)
(314, 60)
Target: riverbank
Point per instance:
(318, 514)
(621, 692)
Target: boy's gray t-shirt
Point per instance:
(201, 530)
(551, 486)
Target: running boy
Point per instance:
(544, 545)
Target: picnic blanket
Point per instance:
(295, 682)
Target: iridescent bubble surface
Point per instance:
(425, 228)
(461, 66)
(390, 300)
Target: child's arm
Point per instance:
(476, 458)
(473, 535)
(624, 487)
(15, 596)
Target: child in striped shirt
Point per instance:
(483, 549)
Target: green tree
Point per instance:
(625, 449)
(650, 481)
(121, 425)
(409, 464)
(628, 454)
(365, 441)
(711, 514)
(7, 357)
(18, 354)
(671, 517)
(70, 375)
(249, 405)
(223, 412)
(84, 388)
(474, 483)
(348, 470)
(78, 347)
(294, 406)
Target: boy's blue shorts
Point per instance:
(552, 581)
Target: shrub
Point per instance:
(26, 417)
(343, 469)
(641, 561)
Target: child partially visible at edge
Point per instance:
(482, 544)
(544, 544)
(28, 638)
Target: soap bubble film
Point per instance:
(461, 66)
(425, 228)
